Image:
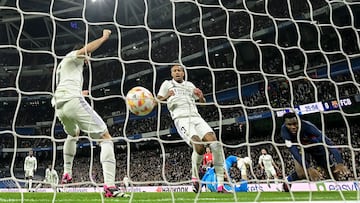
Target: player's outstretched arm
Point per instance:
(260, 163)
(274, 164)
(92, 46)
(292, 147)
(320, 137)
(164, 98)
(165, 92)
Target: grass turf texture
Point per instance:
(179, 197)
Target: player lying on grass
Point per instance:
(210, 181)
(241, 163)
(294, 130)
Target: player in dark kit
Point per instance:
(310, 135)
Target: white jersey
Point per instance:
(243, 164)
(182, 103)
(51, 176)
(266, 160)
(69, 78)
(30, 163)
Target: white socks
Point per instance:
(69, 154)
(218, 159)
(107, 159)
(195, 165)
(30, 184)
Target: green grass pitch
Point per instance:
(179, 197)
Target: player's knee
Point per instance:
(215, 146)
(197, 145)
(72, 138)
(106, 135)
(200, 149)
(209, 137)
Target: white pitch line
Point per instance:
(218, 200)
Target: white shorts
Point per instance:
(190, 126)
(77, 114)
(270, 171)
(29, 173)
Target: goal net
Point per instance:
(254, 60)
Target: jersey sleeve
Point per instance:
(320, 137)
(72, 56)
(25, 162)
(164, 88)
(35, 164)
(292, 148)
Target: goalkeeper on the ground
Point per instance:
(210, 180)
(241, 163)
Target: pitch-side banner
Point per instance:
(295, 187)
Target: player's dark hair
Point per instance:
(177, 64)
(78, 46)
(289, 115)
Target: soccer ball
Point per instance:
(140, 101)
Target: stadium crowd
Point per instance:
(147, 163)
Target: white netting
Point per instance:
(254, 60)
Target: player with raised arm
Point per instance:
(181, 96)
(241, 163)
(51, 178)
(294, 130)
(268, 165)
(76, 114)
(30, 166)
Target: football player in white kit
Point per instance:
(267, 164)
(51, 178)
(180, 96)
(241, 163)
(30, 166)
(126, 183)
(76, 114)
